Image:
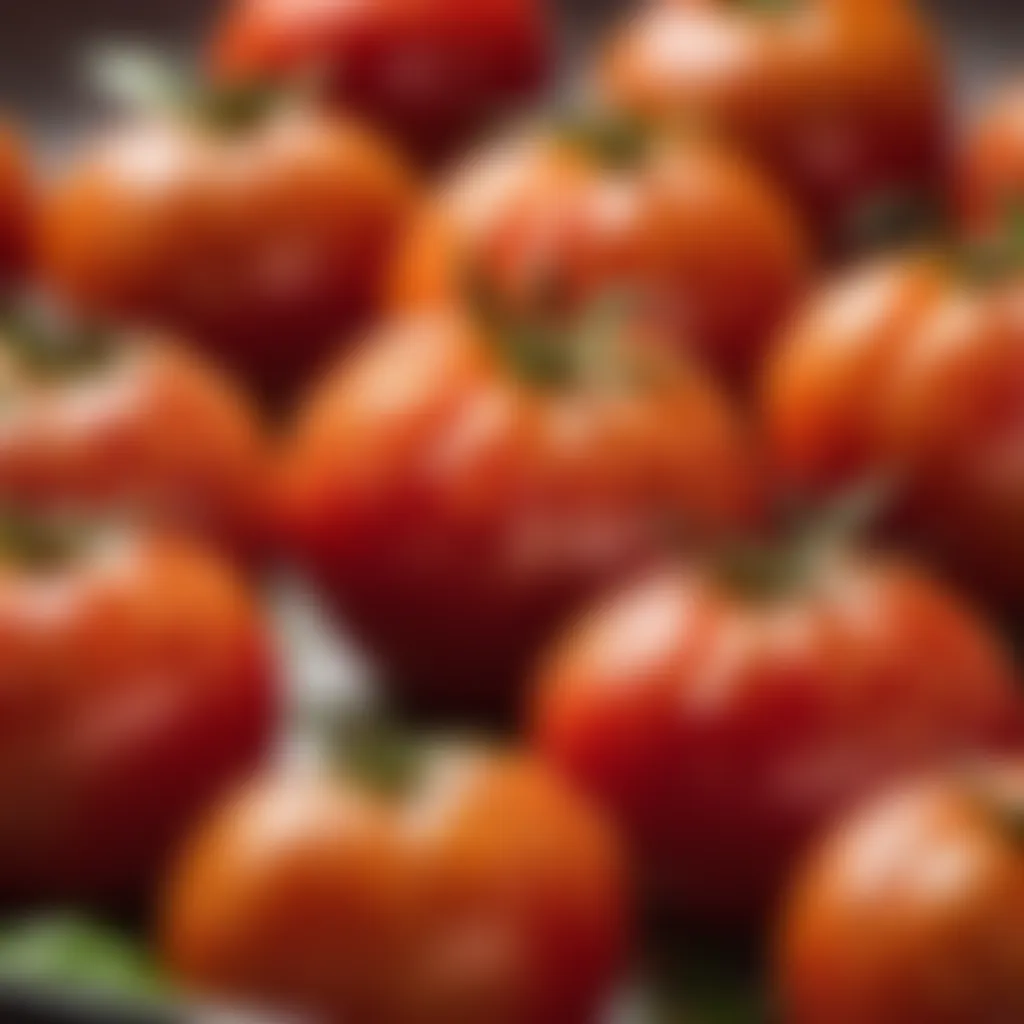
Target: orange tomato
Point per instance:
(132, 425)
(844, 99)
(913, 910)
(264, 243)
(486, 892)
(686, 229)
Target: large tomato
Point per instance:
(914, 910)
(264, 242)
(913, 370)
(681, 224)
(456, 496)
(723, 720)
(130, 425)
(429, 72)
(135, 683)
(844, 99)
(486, 892)
(990, 171)
(17, 207)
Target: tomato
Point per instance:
(485, 891)
(914, 910)
(990, 173)
(454, 505)
(429, 72)
(131, 424)
(17, 207)
(555, 219)
(723, 720)
(912, 370)
(844, 99)
(265, 242)
(135, 683)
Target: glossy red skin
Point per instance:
(912, 911)
(692, 231)
(264, 246)
(153, 432)
(844, 99)
(454, 513)
(907, 370)
(135, 684)
(490, 893)
(428, 72)
(17, 207)
(989, 180)
(722, 731)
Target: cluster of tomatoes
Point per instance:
(568, 435)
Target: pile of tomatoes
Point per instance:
(618, 432)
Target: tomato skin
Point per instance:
(722, 731)
(266, 247)
(937, 882)
(490, 893)
(136, 682)
(17, 207)
(454, 513)
(907, 370)
(989, 179)
(151, 431)
(845, 100)
(690, 229)
(428, 72)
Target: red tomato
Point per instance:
(17, 207)
(429, 72)
(682, 225)
(990, 173)
(844, 99)
(488, 892)
(135, 683)
(723, 725)
(914, 910)
(265, 243)
(912, 370)
(455, 510)
(131, 425)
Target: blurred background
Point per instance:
(45, 39)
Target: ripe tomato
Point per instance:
(557, 219)
(135, 683)
(487, 892)
(844, 99)
(17, 207)
(722, 724)
(912, 370)
(990, 173)
(914, 910)
(454, 506)
(265, 243)
(131, 425)
(429, 72)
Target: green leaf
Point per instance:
(68, 950)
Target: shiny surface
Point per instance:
(914, 911)
(722, 729)
(136, 683)
(488, 892)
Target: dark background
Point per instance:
(42, 43)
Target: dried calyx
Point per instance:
(48, 345)
(42, 541)
(614, 140)
(998, 254)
